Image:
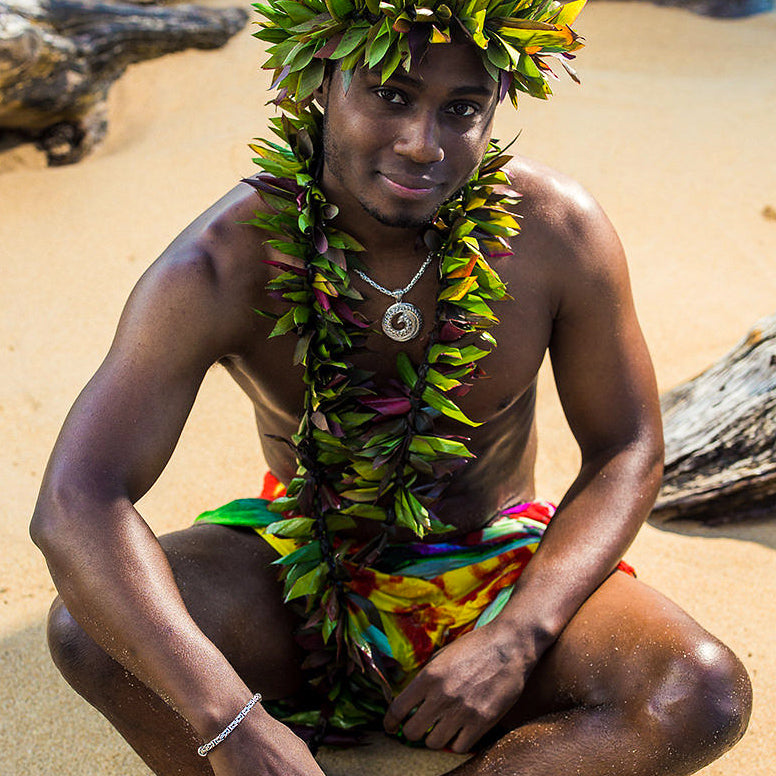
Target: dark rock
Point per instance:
(59, 58)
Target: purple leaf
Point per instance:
(342, 309)
(323, 299)
(460, 390)
(283, 73)
(337, 256)
(319, 240)
(285, 267)
(388, 406)
(329, 48)
(330, 496)
(504, 82)
(418, 41)
(450, 332)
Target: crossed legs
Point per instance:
(632, 687)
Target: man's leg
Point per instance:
(633, 687)
(232, 593)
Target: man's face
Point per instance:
(398, 150)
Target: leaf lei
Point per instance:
(363, 451)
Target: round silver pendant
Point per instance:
(402, 321)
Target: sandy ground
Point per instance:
(673, 130)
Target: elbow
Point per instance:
(51, 517)
(59, 520)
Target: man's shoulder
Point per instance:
(210, 279)
(550, 194)
(560, 218)
(220, 252)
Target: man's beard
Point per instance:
(401, 221)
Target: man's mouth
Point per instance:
(409, 187)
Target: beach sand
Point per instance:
(672, 130)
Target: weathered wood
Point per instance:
(59, 58)
(720, 431)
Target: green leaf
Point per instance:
(379, 46)
(352, 38)
(441, 381)
(283, 504)
(312, 78)
(284, 324)
(339, 522)
(307, 552)
(293, 527)
(406, 370)
(251, 512)
(361, 494)
(328, 628)
(446, 446)
(390, 63)
(309, 583)
(368, 511)
(302, 347)
(447, 407)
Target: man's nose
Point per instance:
(420, 139)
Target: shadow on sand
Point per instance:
(761, 531)
(50, 730)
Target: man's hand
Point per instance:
(463, 691)
(262, 746)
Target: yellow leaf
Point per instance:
(473, 203)
(459, 290)
(464, 272)
(569, 12)
(437, 36)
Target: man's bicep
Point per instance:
(125, 424)
(602, 367)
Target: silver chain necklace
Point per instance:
(402, 321)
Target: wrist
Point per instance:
(526, 638)
(210, 694)
(207, 747)
(220, 708)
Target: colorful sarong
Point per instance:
(417, 597)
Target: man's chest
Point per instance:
(276, 384)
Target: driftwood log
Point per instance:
(720, 431)
(59, 58)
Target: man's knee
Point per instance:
(82, 663)
(702, 701)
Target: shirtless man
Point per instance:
(585, 671)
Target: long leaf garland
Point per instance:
(363, 450)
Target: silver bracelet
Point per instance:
(205, 748)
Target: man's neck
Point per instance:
(383, 243)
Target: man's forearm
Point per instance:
(115, 579)
(595, 523)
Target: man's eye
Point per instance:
(390, 95)
(462, 109)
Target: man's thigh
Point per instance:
(627, 644)
(232, 592)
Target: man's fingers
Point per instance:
(420, 722)
(402, 705)
(466, 739)
(443, 734)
